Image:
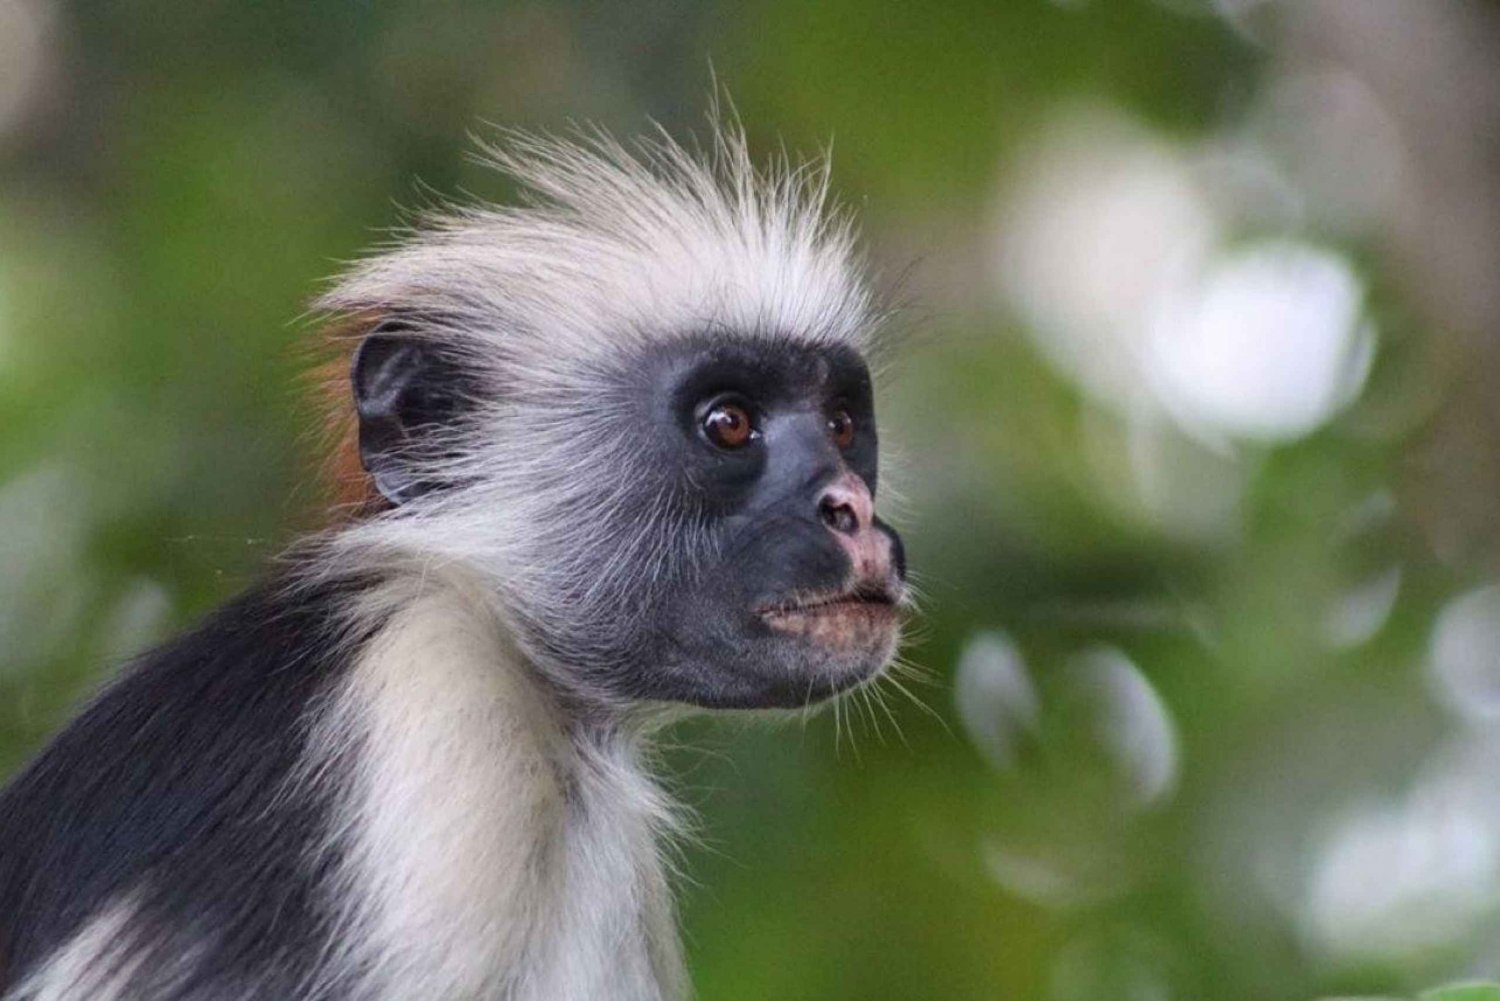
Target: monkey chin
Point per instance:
(852, 640)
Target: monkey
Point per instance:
(618, 459)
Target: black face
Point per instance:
(773, 583)
(772, 444)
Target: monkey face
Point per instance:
(782, 585)
(691, 522)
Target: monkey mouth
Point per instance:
(839, 618)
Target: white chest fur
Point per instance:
(490, 853)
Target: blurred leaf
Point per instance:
(1462, 992)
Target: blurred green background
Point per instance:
(1194, 431)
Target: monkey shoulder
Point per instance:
(171, 801)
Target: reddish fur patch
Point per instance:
(351, 490)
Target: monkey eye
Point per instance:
(841, 428)
(728, 425)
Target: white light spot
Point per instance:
(1268, 342)
(1360, 612)
(1032, 878)
(1133, 723)
(1464, 659)
(1059, 876)
(1106, 247)
(1101, 218)
(1396, 880)
(995, 697)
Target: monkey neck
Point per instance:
(501, 846)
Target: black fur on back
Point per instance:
(172, 787)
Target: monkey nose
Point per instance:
(846, 506)
(838, 515)
(847, 509)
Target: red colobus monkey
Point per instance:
(621, 449)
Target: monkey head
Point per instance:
(642, 411)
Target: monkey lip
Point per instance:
(873, 604)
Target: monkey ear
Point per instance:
(406, 396)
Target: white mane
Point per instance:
(615, 245)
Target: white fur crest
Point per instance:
(626, 247)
